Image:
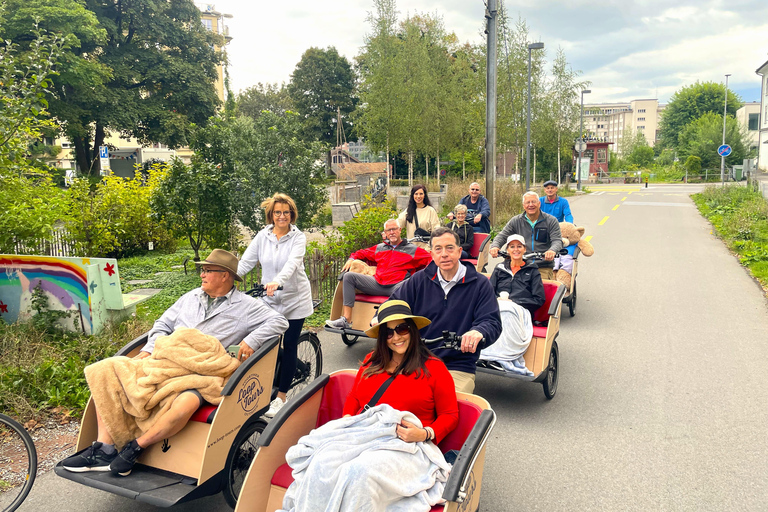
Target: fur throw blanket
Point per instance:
(132, 394)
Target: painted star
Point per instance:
(3, 307)
(109, 269)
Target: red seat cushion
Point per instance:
(539, 331)
(373, 299)
(205, 413)
(471, 261)
(468, 415)
(474, 252)
(283, 476)
(542, 314)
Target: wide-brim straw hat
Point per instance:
(222, 258)
(396, 310)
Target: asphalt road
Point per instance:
(661, 403)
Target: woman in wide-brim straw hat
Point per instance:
(422, 385)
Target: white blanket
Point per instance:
(358, 464)
(516, 334)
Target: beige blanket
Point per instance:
(132, 394)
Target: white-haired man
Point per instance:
(540, 230)
(478, 209)
(395, 259)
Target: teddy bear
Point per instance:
(572, 235)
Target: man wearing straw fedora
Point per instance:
(217, 309)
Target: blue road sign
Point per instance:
(103, 152)
(724, 150)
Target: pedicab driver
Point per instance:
(540, 230)
(456, 298)
(217, 309)
(395, 259)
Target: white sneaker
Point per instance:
(274, 406)
(339, 323)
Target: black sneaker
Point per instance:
(92, 458)
(123, 464)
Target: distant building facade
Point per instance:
(610, 121)
(748, 117)
(762, 159)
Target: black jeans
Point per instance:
(290, 348)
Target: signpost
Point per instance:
(104, 159)
(724, 150)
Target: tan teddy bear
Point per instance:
(572, 235)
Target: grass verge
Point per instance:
(739, 215)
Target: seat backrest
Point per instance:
(542, 314)
(475, 251)
(334, 395)
(468, 415)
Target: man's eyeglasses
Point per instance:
(389, 230)
(281, 214)
(211, 271)
(401, 329)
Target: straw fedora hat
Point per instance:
(222, 258)
(396, 310)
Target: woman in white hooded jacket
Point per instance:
(280, 249)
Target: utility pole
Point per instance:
(725, 113)
(531, 47)
(491, 13)
(581, 140)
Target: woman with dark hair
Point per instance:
(419, 218)
(422, 384)
(382, 454)
(279, 248)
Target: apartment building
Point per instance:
(762, 159)
(748, 117)
(213, 20)
(611, 121)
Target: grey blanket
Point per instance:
(358, 464)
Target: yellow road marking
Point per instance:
(624, 198)
(602, 221)
(630, 191)
(616, 207)
(588, 238)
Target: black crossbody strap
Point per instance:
(377, 396)
(416, 217)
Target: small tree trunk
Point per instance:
(387, 167)
(437, 164)
(463, 166)
(426, 159)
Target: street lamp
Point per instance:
(725, 113)
(531, 47)
(581, 139)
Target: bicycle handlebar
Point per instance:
(259, 290)
(532, 255)
(452, 340)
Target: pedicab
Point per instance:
(570, 296)
(542, 357)
(322, 401)
(366, 305)
(215, 448)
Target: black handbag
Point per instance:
(420, 231)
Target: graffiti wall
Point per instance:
(85, 287)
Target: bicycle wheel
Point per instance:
(18, 463)
(309, 364)
(241, 454)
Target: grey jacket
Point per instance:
(239, 318)
(544, 236)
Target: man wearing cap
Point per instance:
(478, 210)
(554, 205)
(217, 309)
(456, 298)
(540, 231)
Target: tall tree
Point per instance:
(273, 97)
(145, 69)
(702, 137)
(690, 103)
(322, 84)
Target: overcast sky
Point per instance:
(628, 49)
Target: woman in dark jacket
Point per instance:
(519, 278)
(464, 230)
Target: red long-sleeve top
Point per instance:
(431, 398)
(394, 264)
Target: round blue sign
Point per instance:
(724, 150)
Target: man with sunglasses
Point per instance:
(395, 259)
(456, 298)
(217, 309)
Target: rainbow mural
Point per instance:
(87, 287)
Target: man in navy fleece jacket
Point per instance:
(456, 298)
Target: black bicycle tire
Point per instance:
(29, 445)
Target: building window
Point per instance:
(601, 155)
(754, 122)
(640, 128)
(641, 119)
(208, 24)
(641, 111)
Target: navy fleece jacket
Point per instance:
(470, 304)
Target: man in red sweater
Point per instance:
(395, 259)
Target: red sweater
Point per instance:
(394, 264)
(430, 398)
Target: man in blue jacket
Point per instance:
(554, 205)
(478, 210)
(456, 298)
